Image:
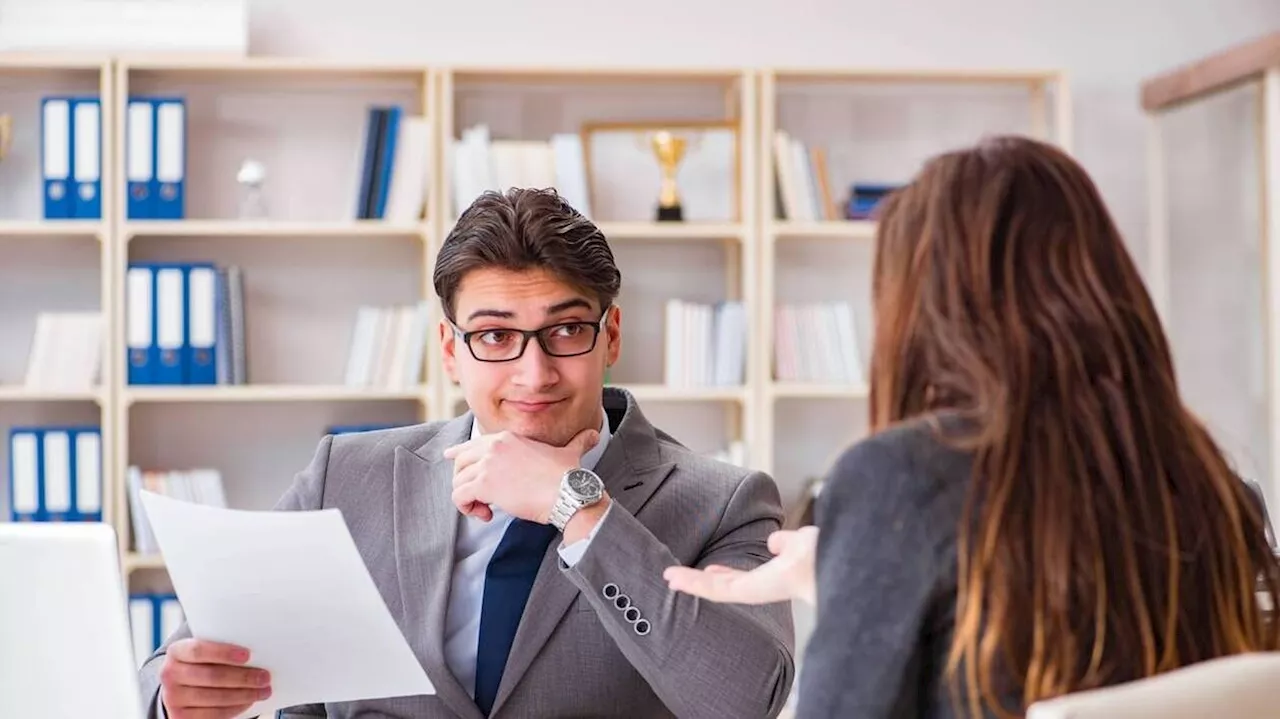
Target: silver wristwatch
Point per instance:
(578, 488)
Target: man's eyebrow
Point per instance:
(576, 302)
(500, 314)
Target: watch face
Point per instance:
(584, 483)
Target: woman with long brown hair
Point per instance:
(1035, 511)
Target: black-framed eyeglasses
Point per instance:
(504, 344)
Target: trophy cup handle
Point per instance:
(6, 134)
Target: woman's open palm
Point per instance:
(789, 575)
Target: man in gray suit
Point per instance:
(521, 546)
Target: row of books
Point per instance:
(804, 190)
(803, 182)
(55, 474)
(816, 342)
(395, 161)
(482, 163)
(706, 344)
(199, 486)
(388, 345)
(184, 324)
(71, 156)
(66, 352)
(155, 158)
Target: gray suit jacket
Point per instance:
(575, 654)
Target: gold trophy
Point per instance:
(670, 150)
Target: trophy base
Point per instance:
(674, 213)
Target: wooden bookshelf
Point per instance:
(274, 97)
(834, 256)
(744, 258)
(48, 264)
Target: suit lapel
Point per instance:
(425, 530)
(631, 472)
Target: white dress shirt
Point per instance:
(476, 543)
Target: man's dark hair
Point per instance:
(526, 229)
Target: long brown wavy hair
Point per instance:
(1105, 537)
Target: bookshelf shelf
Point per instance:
(802, 390)
(134, 561)
(1029, 78)
(533, 75)
(237, 68)
(674, 231)
(664, 393)
(47, 62)
(835, 229)
(52, 228)
(244, 228)
(270, 393)
(27, 394)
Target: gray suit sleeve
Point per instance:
(876, 569)
(306, 492)
(702, 659)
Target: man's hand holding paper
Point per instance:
(291, 590)
(210, 680)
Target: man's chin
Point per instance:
(547, 430)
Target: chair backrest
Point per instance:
(1243, 686)
(65, 644)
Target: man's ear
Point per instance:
(448, 348)
(613, 336)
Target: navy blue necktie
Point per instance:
(507, 582)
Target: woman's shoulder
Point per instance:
(912, 461)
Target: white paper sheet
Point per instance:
(292, 588)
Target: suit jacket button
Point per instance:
(642, 627)
(622, 602)
(632, 615)
(611, 590)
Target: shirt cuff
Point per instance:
(572, 553)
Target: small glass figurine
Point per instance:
(253, 201)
